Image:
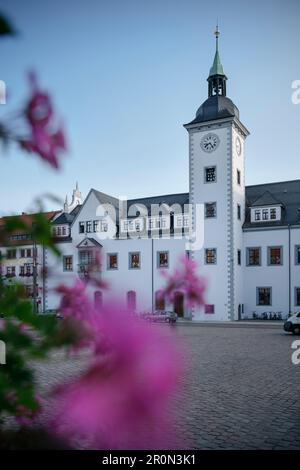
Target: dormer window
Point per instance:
(265, 214)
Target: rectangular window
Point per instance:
(264, 296)
(274, 255)
(28, 270)
(103, 226)
(96, 226)
(134, 260)
(10, 271)
(81, 227)
(209, 309)
(273, 214)
(210, 256)
(265, 214)
(162, 259)
(238, 177)
(253, 256)
(64, 232)
(239, 257)
(68, 263)
(112, 260)
(28, 253)
(257, 215)
(22, 271)
(11, 254)
(210, 174)
(297, 296)
(89, 226)
(239, 213)
(210, 210)
(22, 253)
(297, 254)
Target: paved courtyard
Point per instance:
(241, 390)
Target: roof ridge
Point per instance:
(273, 182)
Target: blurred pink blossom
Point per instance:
(120, 401)
(185, 280)
(44, 140)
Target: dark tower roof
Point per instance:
(217, 106)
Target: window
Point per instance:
(210, 210)
(264, 296)
(86, 258)
(162, 259)
(22, 271)
(238, 177)
(64, 232)
(253, 256)
(103, 226)
(239, 257)
(96, 226)
(297, 296)
(10, 271)
(22, 253)
(81, 227)
(297, 254)
(29, 253)
(209, 309)
(210, 256)
(89, 226)
(274, 255)
(112, 261)
(68, 263)
(58, 231)
(131, 300)
(273, 215)
(210, 174)
(257, 215)
(239, 213)
(265, 214)
(11, 254)
(134, 260)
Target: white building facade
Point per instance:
(247, 238)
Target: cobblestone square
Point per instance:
(240, 391)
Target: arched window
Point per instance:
(160, 303)
(179, 304)
(98, 299)
(131, 299)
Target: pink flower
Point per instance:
(44, 140)
(120, 401)
(186, 281)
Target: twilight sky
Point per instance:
(126, 74)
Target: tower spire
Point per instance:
(217, 78)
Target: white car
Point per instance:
(292, 324)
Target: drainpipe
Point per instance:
(152, 275)
(290, 276)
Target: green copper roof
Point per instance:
(217, 67)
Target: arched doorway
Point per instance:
(179, 304)
(131, 300)
(98, 299)
(160, 302)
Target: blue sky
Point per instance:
(125, 76)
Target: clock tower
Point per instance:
(217, 185)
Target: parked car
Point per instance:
(161, 316)
(292, 324)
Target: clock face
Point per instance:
(210, 142)
(238, 146)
